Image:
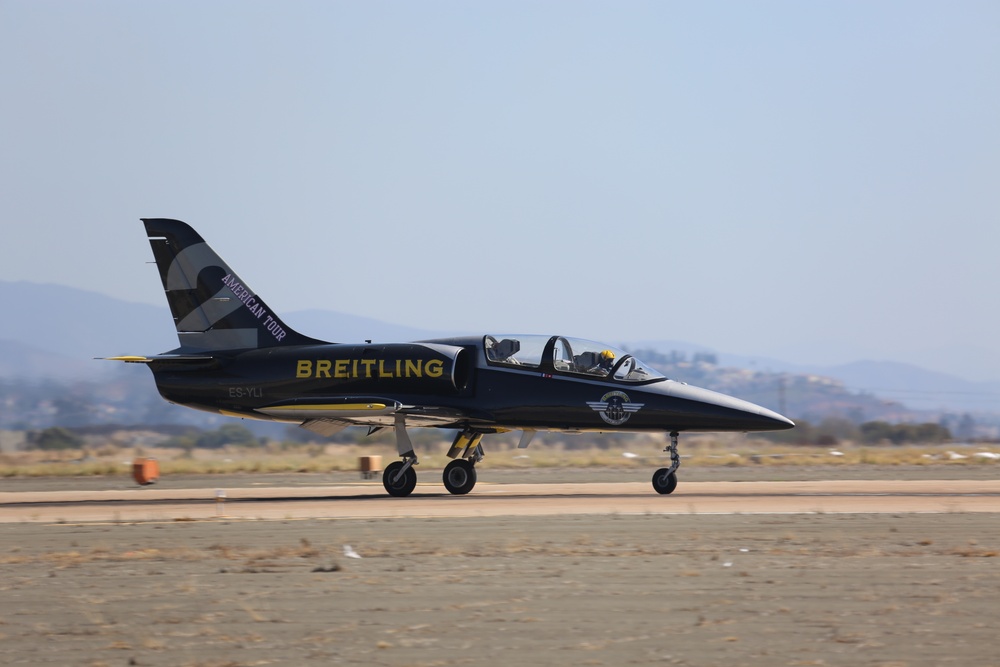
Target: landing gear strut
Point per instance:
(665, 479)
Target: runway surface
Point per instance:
(557, 571)
(368, 500)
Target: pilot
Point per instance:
(605, 360)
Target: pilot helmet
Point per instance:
(607, 355)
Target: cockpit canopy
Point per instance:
(571, 356)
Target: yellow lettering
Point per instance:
(369, 368)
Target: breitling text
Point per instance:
(352, 369)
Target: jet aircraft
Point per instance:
(238, 358)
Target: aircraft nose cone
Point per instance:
(775, 421)
(747, 416)
(714, 411)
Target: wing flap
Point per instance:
(325, 427)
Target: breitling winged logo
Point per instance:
(615, 407)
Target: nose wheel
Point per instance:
(460, 476)
(665, 479)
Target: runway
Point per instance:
(368, 500)
(845, 572)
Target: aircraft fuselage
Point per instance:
(454, 376)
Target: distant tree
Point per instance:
(931, 433)
(228, 434)
(297, 434)
(55, 438)
(835, 429)
(900, 434)
(875, 432)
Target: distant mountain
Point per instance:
(54, 331)
(79, 324)
(18, 360)
(917, 387)
(910, 385)
(341, 328)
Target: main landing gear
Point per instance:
(399, 478)
(460, 475)
(665, 479)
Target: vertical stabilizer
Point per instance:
(213, 308)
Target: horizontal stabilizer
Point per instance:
(133, 359)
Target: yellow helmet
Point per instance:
(607, 354)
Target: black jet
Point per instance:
(238, 358)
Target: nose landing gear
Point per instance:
(665, 479)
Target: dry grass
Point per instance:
(549, 450)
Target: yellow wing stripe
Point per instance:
(327, 408)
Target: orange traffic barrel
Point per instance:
(370, 466)
(145, 471)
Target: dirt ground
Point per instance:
(601, 589)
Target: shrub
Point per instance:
(55, 438)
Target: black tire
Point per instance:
(404, 485)
(663, 483)
(459, 477)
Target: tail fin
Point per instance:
(213, 308)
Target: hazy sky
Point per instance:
(814, 181)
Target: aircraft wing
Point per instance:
(340, 408)
(326, 416)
